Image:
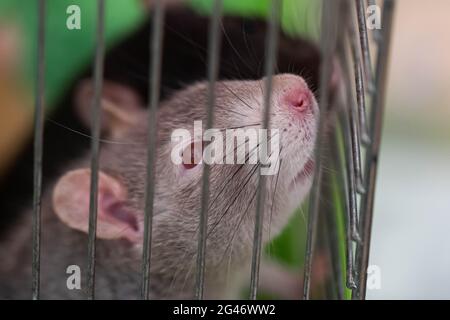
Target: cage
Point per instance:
(346, 151)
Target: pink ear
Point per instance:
(121, 106)
(114, 219)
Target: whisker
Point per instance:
(237, 96)
(89, 136)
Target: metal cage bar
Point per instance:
(359, 86)
(330, 216)
(213, 69)
(364, 40)
(270, 62)
(95, 147)
(156, 42)
(347, 189)
(328, 42)
(345, 164)
(352, 150)
(377, 109)
(38, 150)
(358, 113)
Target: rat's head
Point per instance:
(238, 118)
(239, 107)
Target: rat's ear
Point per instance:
(120, 105)
(114, 219)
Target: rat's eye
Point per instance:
(192, 155)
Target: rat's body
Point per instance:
(177, 196)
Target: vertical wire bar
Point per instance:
(356, 142)
(367, 201)
(364, 40)
(344, 181)
(270, 62)
(333, 242)
(355, 116)
(332, 228)
(95, 146)
(328, 29)
(38, 150)
(155, 50)
(213, 69)
(352, 149)
(328, 288)
(350, 206)
(359, 84)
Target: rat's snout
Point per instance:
(299, 99)
(294, 94)
(296, 115)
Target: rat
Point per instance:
(185, 45)
(123, 165)
(121, 189)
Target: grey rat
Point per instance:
(184, 52)
(177, 197)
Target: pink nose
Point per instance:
(299, 99)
